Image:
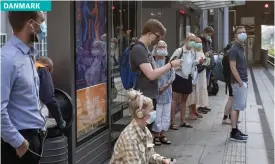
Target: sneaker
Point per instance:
(226, 121)
(237, 137)
(207, 109)
(242, 134)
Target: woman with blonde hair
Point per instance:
(201, 87)
(182, 85)
(135, 143)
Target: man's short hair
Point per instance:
(45, 60)
(154, 26)
(18, 19)
(208, 29)
(237, 28)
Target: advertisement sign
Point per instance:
(91, 66)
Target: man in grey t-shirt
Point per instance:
(143, 63)
(239, 80)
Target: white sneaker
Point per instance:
(226, 121)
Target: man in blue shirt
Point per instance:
(22, 122)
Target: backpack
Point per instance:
(128, 77)
(219, 70)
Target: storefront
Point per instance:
(85, 41)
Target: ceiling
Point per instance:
(212, 4)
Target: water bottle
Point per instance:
(172, 161)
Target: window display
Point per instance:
(91, 66)
(123, 34)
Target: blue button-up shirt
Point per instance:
(19, 92)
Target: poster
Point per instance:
(91, 66)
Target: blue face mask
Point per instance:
(42, 35)
(152, 117)
(191, 44)
(162, 52)
(242, 37)
(208, 38)
(198, 45)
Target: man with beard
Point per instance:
(22, 122)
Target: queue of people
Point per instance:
(166, 83)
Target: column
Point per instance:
(225, 26)
(204, 20)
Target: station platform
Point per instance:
(208, 143)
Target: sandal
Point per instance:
(202, 111)
(174, 127)
(207, 109)
(186, 125)
(164, 140)
(157, 141)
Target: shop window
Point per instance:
(91, 67)
(123, 29)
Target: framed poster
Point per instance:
(91, 66)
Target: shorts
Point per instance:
(182, 85)
(239, 96)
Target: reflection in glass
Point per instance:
(91, 66)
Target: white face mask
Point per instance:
(112, 45)
(152, 117)
(162, 52)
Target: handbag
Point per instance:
(200, 67)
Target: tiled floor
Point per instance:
(207, 142)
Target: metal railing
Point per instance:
(270, 60)
(3, 39)
(42, 48)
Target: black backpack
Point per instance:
(226, 66)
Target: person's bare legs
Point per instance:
(183, 107)
(175, 102)
(192, 112)
(227, 111)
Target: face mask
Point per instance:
(152, 117)
(112, 45)
(42, 34)
(162, 52)
(208, 38)
(191, 44)
(242, 37)
(198, 45)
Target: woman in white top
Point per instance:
(182, 85)
(199, 97)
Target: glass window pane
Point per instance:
(123, 35)
(91, 66)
